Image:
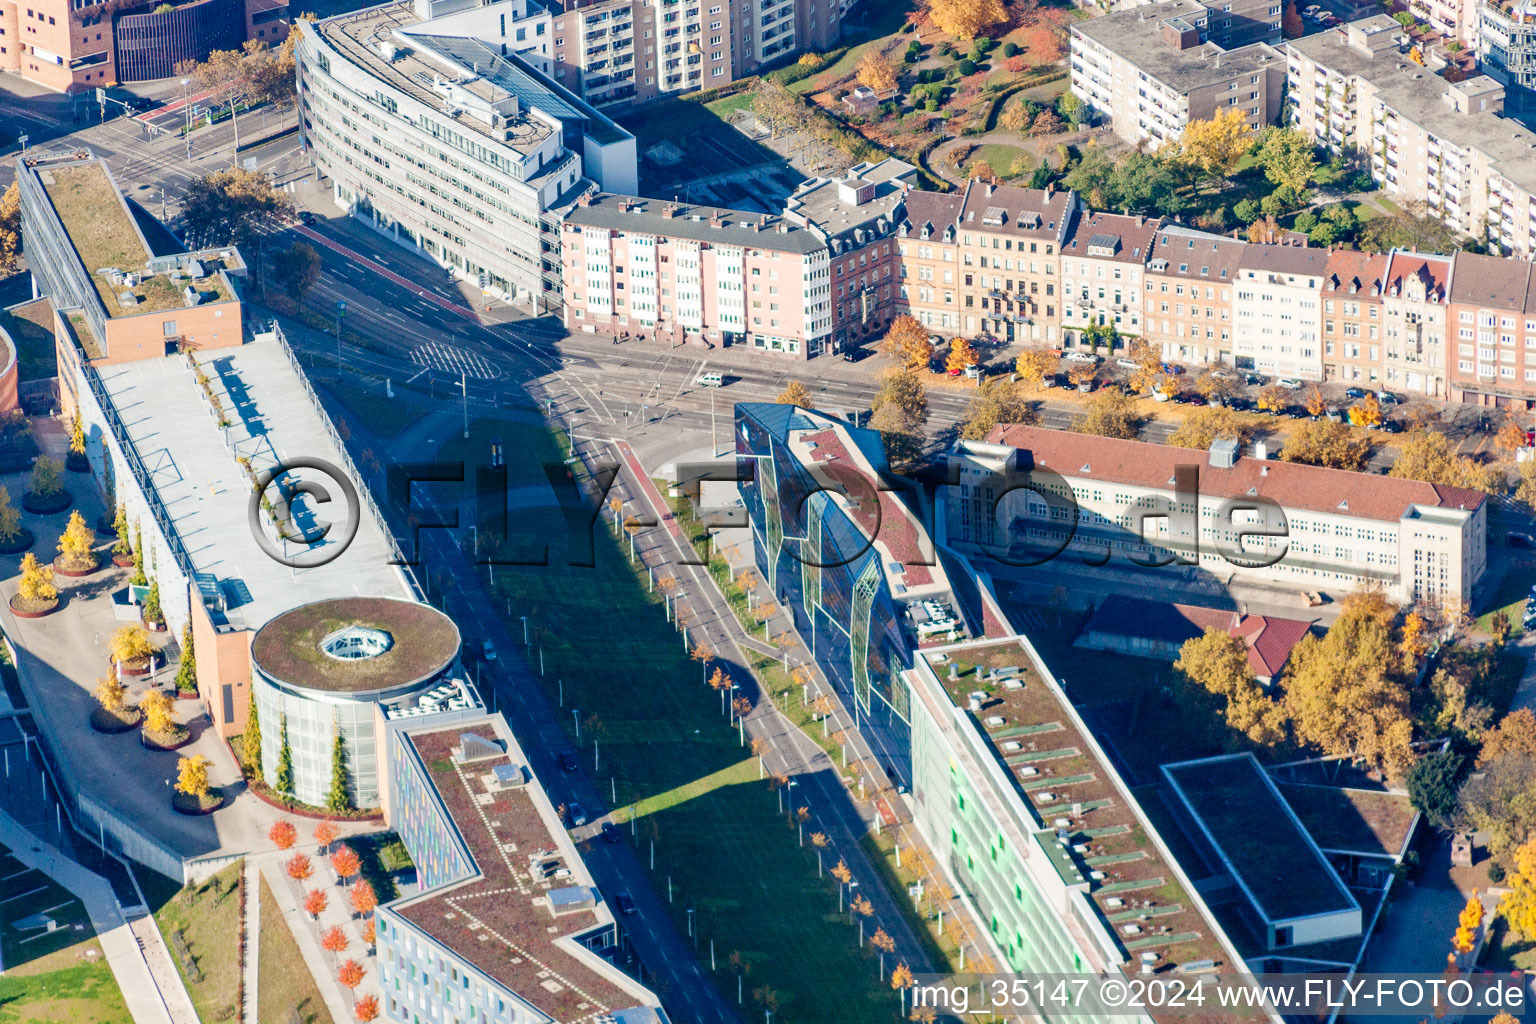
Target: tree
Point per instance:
(250, 740)
(1514, 735)
(1203, 426)
(271, 71)
(110, 692)
(1499, 799)
(1316, 405)
(1216, 664)
(296, 269)
(1412, 645)
(1016, 116)
(370, 933)
(1286, 156)
(906, 341)
(366, 1009)
(1274, 398)
(981, 171)
(159, 713)
(131, 644)
(1428, 455)
(795, 393)
(1343, 691)
(1467, 924)
(138, 579)
(315, 902)
(300, 867)
(75, 544)
(1511, 436)
(1215, 385)
(1216, 145)
(1432, 785)
(1325, 443)
(877, 72)
(232, 207)
(282, 780)
(283, 835)
(1110, 413)
(46, 480)
(350, 974)
(345, 862)
(363, 897)
(1412, 227)
(1034, 363)
(225, 72)
(36, 587)
(1518, 906)
(10, 230)
(192, 775)
(10, 518)
(1366, 412)
(334, 940)
(186, 671)
(77, 434)
(966, 19)
(962, 356)
(899, 411)
(778, 108)
(1291, 25)
(339, 798)
(997, 401)
(1045, 45)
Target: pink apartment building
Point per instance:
(819, 278)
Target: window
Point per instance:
(168, 328)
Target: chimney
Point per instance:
(586, 199)
(669, 211)
(1050, 189)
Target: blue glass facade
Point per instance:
(826, 573)
(419, 817)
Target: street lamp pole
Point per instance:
(186, 108)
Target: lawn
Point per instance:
(31, 330)
(1510, 597)
(285, 982)
(383, 416)
(60, 977)
(1000, 158)
(207, 916)
(383, 856)
(719, 835)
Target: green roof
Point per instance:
(424, 641)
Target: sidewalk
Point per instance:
(140, 963)
(322, 965)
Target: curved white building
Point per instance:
(328, 666)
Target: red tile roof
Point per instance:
(1269, 639)
(1434, 271)
(1293, 485)
(1366, 272)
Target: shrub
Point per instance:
(983, 44)
(1010, 49)
(931, 106)
(46, 481)
(1495, 872)
(967, 67)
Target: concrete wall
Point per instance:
(145, 335)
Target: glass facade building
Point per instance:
(151, 44)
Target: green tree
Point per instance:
(122, 545)
(138, 579)
(232, 207)
(250, 740)
(1432, 785)
(1110, 413)
(338, 800)
(186, 671)
(296, 269)
(10, 518)
(282, 779)
(1286, 156)
(997, 401)
(46, 480)
(1500, 800)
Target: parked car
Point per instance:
(1310, 10)
(1391, 426)
(1173, 368)
(567, 761)
(611, 833)
(1129, 364)
(1253, 379)
(1289, 382)
(625, 902)
(306, 218)
(853, 355)
(1354, 392)
(1081, 357)
(576, 814)
(1388, 398)
(1298, 412)
(1195, 400)
(488, 650)
(972, 372)
(1159, 396)
(1522, 540)
(1223, 375)
(953, 372)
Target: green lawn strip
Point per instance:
(283, 979)
(383, 416)
(207, 914)
(719, 834)
(724, 108)
(1000, 158)
(940, 946)
(77, 993)
(382, 855)
(1510, 598)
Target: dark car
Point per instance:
(1253, 378)
(306, 218)
(1239, 404)
(625, 902)
(1355, 392)
(576, 814)
(1299, 412)
(1392, 426)
(611, 833)
(567, 761)
(1521, 540)
(853, 355)
(1196, 400)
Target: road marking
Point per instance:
(439, 355)
(385, 272)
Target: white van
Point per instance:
(709, 380)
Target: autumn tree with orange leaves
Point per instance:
(367, 1009)
(350, 974)
(300, 867)
(315, 902)
(283, 835)
(325, 835)
(345, 862)
(363, 897)
(334, 940)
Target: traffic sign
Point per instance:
(341, 305)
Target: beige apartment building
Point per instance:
(1493, 314)
(1277, 311)
(1445, 144)
(1010, 247)
(1151, 70)
(1341, 531)
(1102, 261)
(932, 282)
(1415, 303)
(1352, 318)
(1187, 308)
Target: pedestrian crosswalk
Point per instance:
(437, 355)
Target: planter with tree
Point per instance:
(192, 794)
(36, 595)
(186, 670)
(45, 493)
(161, 730)
(14, 538)
(75, 461)
(115, 713)
(122, 547)
(77, 555)
(132, 650)
(151, 612)
(138, 579)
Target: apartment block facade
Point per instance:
(1187, 309)
(432, 127)
(1151, 70)
(1444, 144)
(1276, 306)
(1353, 338)
(1492, 359)
(1102, 262)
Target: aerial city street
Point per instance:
(801, 511)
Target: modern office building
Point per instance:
(70, 46)
(329, 669)
(1331, 530)
(505, 925)
(1441, 143)
(850, 559)
(1492, 359)
(1150, 70)
(438, 126)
